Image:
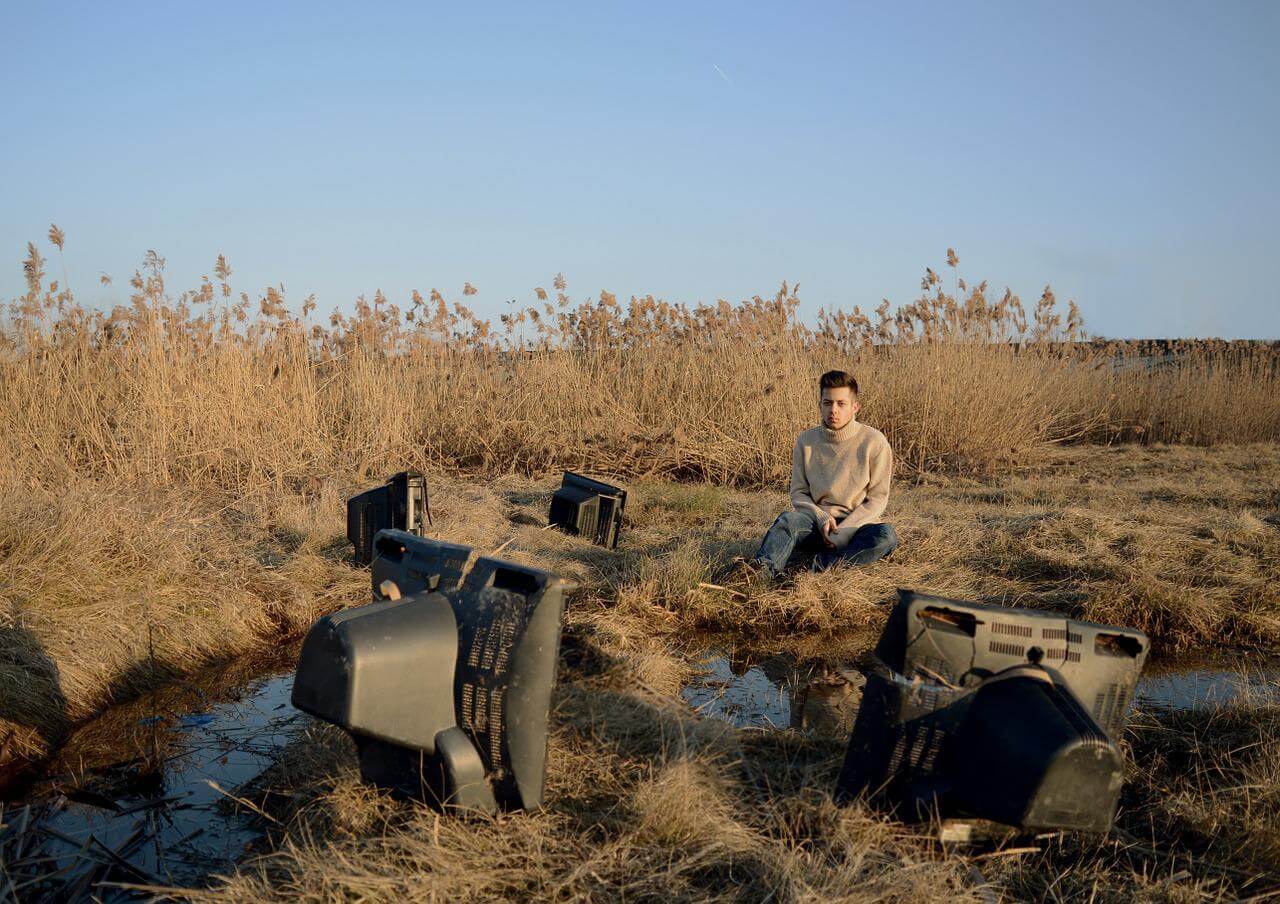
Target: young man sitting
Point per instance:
(840, 473)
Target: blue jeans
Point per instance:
(791, 529)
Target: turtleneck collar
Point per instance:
(843, 435)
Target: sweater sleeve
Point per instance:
(880, 471)
(801, 497)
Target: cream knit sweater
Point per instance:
(842, 474)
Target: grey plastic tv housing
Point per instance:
(445, 680)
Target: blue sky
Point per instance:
(1125, 153)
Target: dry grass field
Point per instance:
(647, 800)
(172, 489)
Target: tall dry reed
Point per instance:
(214, 389)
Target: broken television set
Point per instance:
(399, 504)
(994, 713)
(589, 508)
(444, 681)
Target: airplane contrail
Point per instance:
(722, 75)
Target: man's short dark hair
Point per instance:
(834, 379)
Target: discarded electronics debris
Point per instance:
(589, 509)
(995, 713)
(445, 680)
(399, 504)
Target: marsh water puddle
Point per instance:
(823, 696)
(144, 794)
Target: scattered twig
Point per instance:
(150, 804)
(240, 800)
(8, 880)
(90, 798)
(22, 836)
(727, 590)
(125, 864)
(1010, 852)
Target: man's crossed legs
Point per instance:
(791, 529)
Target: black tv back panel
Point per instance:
(1003, 714)
(589, 508)
(508, 650)
(399, 504)
(1027, 754)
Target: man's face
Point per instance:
(838, 407)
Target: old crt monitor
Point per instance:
(445, 679)
(996, 713)
(589, 509)
(400, 504)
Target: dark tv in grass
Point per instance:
(445, 679)
(399, 504)
(994, 713)
(589, 508)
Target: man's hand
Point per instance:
(828, 527)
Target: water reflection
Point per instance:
(145, 794)
(1209, 685)
(822, 696)
(817, 696)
